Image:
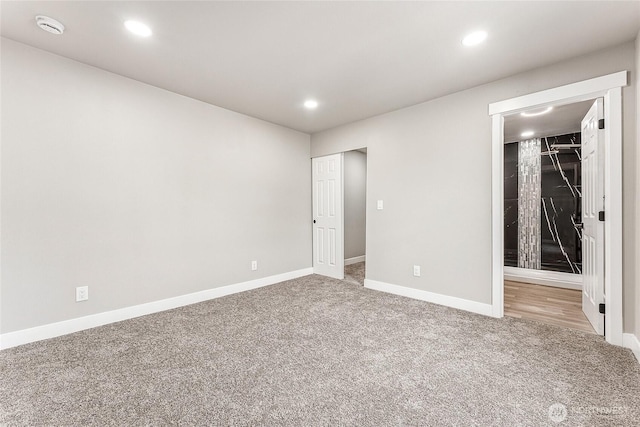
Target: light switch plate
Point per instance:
(380, 205)
(82, 293)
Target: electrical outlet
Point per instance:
(254, 265)
(82, 293)
(416, 270)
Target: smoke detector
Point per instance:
(49, 24)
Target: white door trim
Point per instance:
(610, 88)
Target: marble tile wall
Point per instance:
(543, 235)
(529, 191)
(511, 205)
(561, 203)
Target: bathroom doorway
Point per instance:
(607, 124)
(543, 226)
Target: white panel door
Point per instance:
(593, 228)
(328, 216)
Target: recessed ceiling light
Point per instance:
(310, 104)
(474, 38)
(138, 28)
(536, 112)
(49, 24)
(527, 133)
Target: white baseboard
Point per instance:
(449, 301)
(25, 336)
(543, 277)
(355, 259)
(631, 341)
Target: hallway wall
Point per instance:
(355, 190)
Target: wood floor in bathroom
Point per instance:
(556, 306)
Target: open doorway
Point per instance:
(339, 215)
(609, 88)
(355, 215)
(543, 215)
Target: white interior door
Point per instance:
(592, 205)
(328, 216)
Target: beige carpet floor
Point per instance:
(354, 273)
(320, 352)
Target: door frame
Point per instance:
(608, 87)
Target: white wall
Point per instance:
(137, 192)
(431, 164)
(355, 190)
(637, 120)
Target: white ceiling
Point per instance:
(561, 120)
(358, 59)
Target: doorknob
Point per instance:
(314, 221)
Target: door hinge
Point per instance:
(601, 124)
(601, 308)
(601, 216)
